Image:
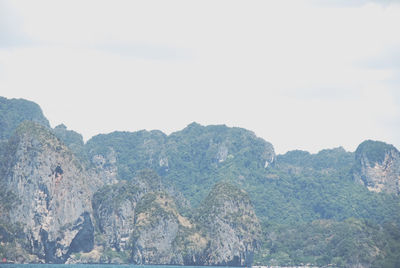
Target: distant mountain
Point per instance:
(205, 195)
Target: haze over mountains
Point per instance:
(205, 195)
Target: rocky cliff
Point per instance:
(114, 211)
(66, 212)
(150, 198)
(139, 222)
(53, 192)
(198, 155)
(378, 167)
(231, 225)
(163, 235)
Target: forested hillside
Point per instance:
(331, 208)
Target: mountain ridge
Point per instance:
(134, 189)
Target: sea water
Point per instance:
(11, 265)
(99, 266)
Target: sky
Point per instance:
(302, 74)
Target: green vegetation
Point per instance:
(7, 200)
(328, 159)
(157, 205)
(40, 132)
(375, 151)
(72, 139)
(192, 160)
(316, 214)
(310, 208)
(219, 194)
(11, 237)
(111, 256)
(325, 242)
(296, 191)
(14, 111)
(305, 198)
(135, 151)
(114, 195)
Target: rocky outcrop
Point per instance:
(53, 191)
(72, 139)
(15, 111)
(198, 155)
(143, 150)
(105, 166)
(378, 167)
(139, 222)
(232, 228)
(162, 235)
(114, 210)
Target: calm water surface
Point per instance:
(99, 266)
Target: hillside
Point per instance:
(205, 195)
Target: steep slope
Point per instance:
(315, 213)
(134, 151)
(333, 207)
(163, 236)
(228, 219)
(114, 208)
(53, 192)
(350, 243)
(200, 156)
(191, 160)
(303, 187)
(139, 222)
(114, 212)
(73, 140)
(14, 111)
(378, 167)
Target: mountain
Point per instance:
(228, 218)
(205, 195)
(198, 156)
(378, 167)
(53, 192)
(15, 111)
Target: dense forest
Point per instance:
(302, 199)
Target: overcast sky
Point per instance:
(301, 74)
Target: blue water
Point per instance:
(100, 266)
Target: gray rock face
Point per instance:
(228, 219)
(141, 224)
(155, 233)
(106, 166)
(54, 193)
(378, 167)
(114, 210)
(163, 236)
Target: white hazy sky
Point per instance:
(301, 74)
